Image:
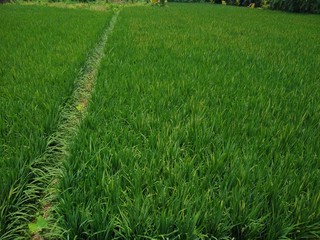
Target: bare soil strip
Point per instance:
(46, 170)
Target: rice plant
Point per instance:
(41, 53)
(204, 124)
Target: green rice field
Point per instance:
(41, 52)
(204, 122)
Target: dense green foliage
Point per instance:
(204, 123)
(41, 52)
(306, 6)
(311, 6)
(296, 5)
(244, 2)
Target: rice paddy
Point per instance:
(41, 53)
(203, 124)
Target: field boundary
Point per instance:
(40, 193)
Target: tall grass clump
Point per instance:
(204, 124)
(41, 53)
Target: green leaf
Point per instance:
(38, 225)
(80, 107)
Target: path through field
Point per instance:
(194, 121)
(46, 169)
(29, 197)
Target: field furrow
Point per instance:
(47, 168)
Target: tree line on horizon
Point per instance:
(312, 6)
(302, 6)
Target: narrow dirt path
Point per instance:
(46, 170)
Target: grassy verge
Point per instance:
(41, 52)
(204, 124)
